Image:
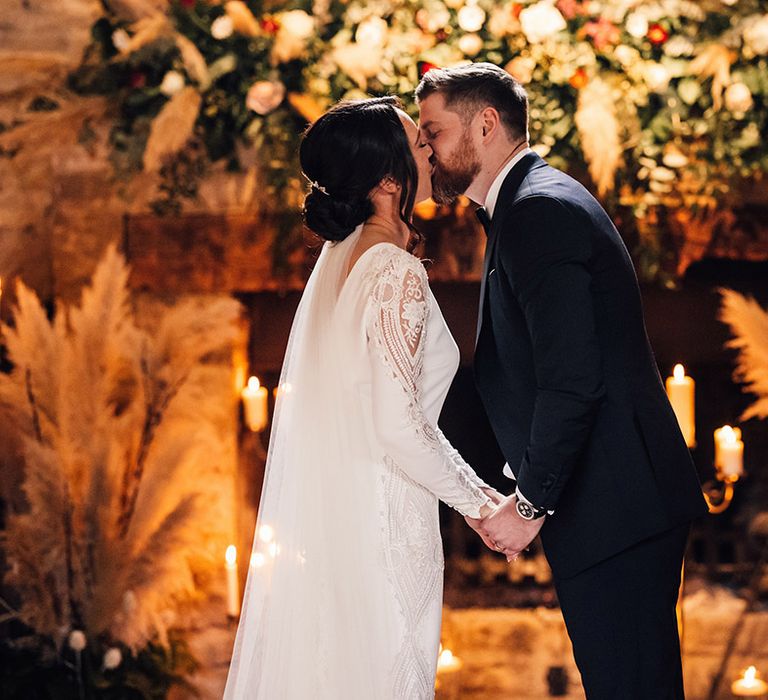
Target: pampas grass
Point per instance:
(124, 516)
(598, 129)
(749, 326)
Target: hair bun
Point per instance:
(332, 218)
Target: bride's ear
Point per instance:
(389, 185)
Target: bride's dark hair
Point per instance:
(345, 154)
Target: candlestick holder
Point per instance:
(719, 492)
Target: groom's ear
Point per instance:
(490, 121)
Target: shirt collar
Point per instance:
(493, 192)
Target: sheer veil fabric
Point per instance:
(316, 558)
(344, 593)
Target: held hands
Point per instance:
(503, 530)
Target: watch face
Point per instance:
(525, 511)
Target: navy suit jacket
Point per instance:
(567, 375)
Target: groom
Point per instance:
(571, 388)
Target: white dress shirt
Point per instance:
(490, 206)
(493, 191)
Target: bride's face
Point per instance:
(421, 155)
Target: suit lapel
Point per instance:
(507, 193)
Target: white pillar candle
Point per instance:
(255, 404)
(729, 452)
(750, 685)
(233, 589)
(681, 392)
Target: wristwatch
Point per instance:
(527, 512)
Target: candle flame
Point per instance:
(446, 658)
(253, 384)
(231, 555)
(750, 674)
(728, 434)
(678, 373)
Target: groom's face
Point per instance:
(454, 160)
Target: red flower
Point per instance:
(657, 34)
(137, 79)
(603, 33)
(570, 8)
(270, 25)
(517, 8)
(579, 79)
(425, 67)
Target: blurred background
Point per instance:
(152, 257)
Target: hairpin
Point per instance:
(319, 187)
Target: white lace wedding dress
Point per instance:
(371, 628)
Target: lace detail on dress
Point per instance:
(413, 559)
(396, 323)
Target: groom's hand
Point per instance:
(507, 531)
(476, 523)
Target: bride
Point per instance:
(344, 592)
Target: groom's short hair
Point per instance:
(468, 89)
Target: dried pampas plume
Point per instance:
(122, 450)
(172, 128)
(749, 326)
(599, 133)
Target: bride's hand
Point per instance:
(494, 495)
(475, 524)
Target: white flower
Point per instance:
(265, 96)
(738, 98)
(689, 90)
(678, 45)
(372, 32)
(297, 23)
(471, 17)
(656, 76)
(433, 19)
(359, 62)
(113, 657)
(521, 68)
(503, 21)
(540, 21)
(296, 26)
(121, 39)
(471, 44)
(222, 27)
(173, 82)
(637, 25)
(756, 34)
(77, 640)
(626, 55)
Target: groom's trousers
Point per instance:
(620, 615)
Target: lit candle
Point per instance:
(680, 390)
(447, 662)
(750, 685)
(255, 404)
(448, 668)
(233, 590)
(729, 453)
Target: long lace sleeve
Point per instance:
(396, 324)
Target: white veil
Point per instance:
(315, 582)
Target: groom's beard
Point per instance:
(453, 178)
